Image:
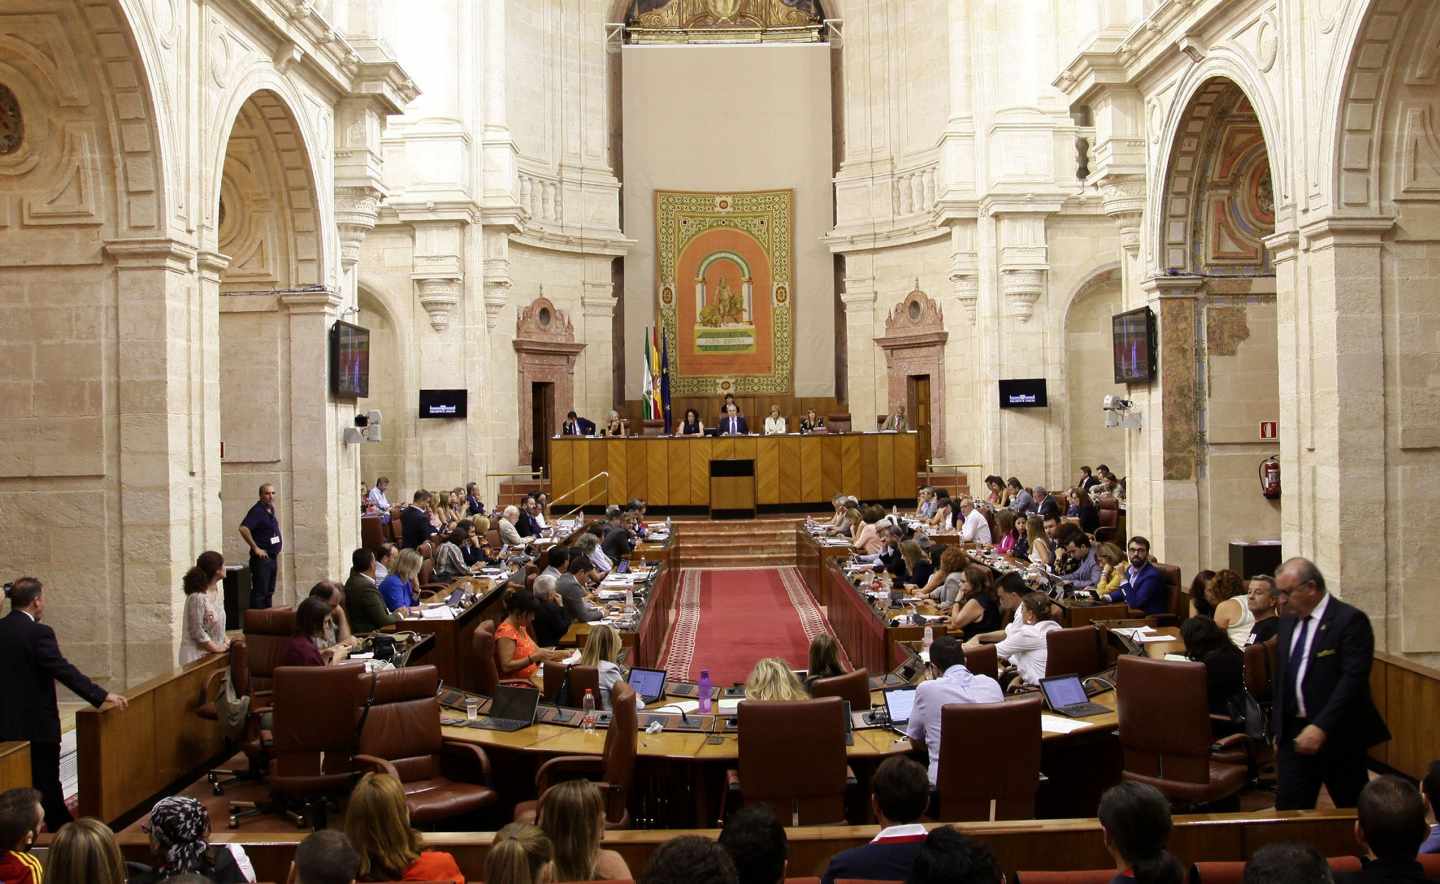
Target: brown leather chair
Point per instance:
(1165, 731)
(266, 632)
(614, 767)
(1088, 876)
(250, 740)
(487, 669)
(1177, 600)
(401, 736)
(313, 741)
(580, 678)
(792, 757)
(984, 660)
(1259, 671)
(852, 686)
(1107, 509)
(972, 788)
(838, 422)
(1074, 651)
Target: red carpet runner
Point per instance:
(725, 620)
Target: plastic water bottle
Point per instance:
(629, 596)
(704, 692)
(929, 637)
(587, 717)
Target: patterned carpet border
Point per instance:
(812, 618)
(680, 646)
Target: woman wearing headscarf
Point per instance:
(178, 829)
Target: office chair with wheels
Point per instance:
(853, 686)
(792, 757)
(1074, 651)
(614, 768)
(487, 667)
(970, 787)
(248, 736)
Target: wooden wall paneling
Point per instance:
(1379, 691)
(701, 450)
(1412, 706)
(580, 471)
(850, 465)
(870, 466)
(657, 472)
(562, 465)
(723, 448)
(637, 469)
(745, 447)
(832, 466)
(885, 468)
(907, 447)
(789, 468)
(767, 470)
(678, 453)
(14, 765)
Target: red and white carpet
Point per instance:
(725, 620)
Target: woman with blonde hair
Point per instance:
(84, 852)
(401, 587)
(602, 650)
(572, 814)
(1112, 568)
(1037, 544)
(772, 679)
(918, 569)
(520, 854)
(378, 826)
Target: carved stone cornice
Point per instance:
(438, 295)
(356, 211)
(1022, 288)
(157, 253)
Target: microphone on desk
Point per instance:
(683, 717)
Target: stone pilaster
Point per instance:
(860, 359)
(964, 273)
(209, 532)
(595, 375)
(497, 272)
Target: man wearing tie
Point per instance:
(1324, 718)
(896, 421)
(732, 424)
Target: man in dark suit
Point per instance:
(1046, 504)
(1390, 825)
(31, 662)
(732, 424)
(1324, 718)
(526, 524)
(900, 791)
(415, 526)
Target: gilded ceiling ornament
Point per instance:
(722, 14)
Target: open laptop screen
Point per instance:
(1063, 690)
(648, 683)
(898, 703)
(518, 704)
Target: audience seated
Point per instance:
(572, 814)
(303, 647)
(378, 826)
(415, 522)
(773, 679)
(337, 624)
(1025, 646)
(948, 857)
(1135, 819)
(1226, 594)
(1430, 788)
(953, 683)
(1112, 568)
(1287, 864)
(516, 653)
(449, 559)
(1199, 604)
(1005, 522)
(1144, 587)
(775, 425)
(509, 533)
(1020, 499)
(84, 852)
(977, 609)
(1086, 574)
(527, 525)
(570, 586)
(918, 569)
(899, 794)
(691, 424)
(1263, 600)
(689, 859)
(365, 605)
(401, 588)
(21, 821)
(945, 585)
(178, 829)
(602, 651)
(520, 854)
(1390, 825)
(824, 659)
(757, 845)
(326, 857)
(812, 423)
(1206, 642)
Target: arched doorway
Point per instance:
(392, 393)
(1089, 375)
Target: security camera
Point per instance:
(362, 421)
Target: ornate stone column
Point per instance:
(497, 273)
(859, 300)
(595, 389)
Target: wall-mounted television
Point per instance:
(1134, 342)
(349, 361)
(443, 404)
(1023, 393)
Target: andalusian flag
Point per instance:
(647, 385)
(652, 355)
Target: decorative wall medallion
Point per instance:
(12, 124)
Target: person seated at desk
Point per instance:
(1206, 642)
(838, 522)
(337, 624)
(899, 795)
(943, 518)
(1087, 572)
(551, 620)
(571, 425)
(376, 501)
(1005, 527)
(474, 506)
(1083, 508)
(507, 526)
(866, 538)
(475, 551)
(415, 523)
(303, 646)
(377, 823)
(998, 494)
(400, 588)
(570, 586)
(775, 424)
(364, 605)
(732, 424)
(1135, 821)
(179, 830)
(952, 683)
(918, 569)
(773, 679)
(619, 541)
(615, 426)
(1226, 594)
(516, 654)
(812, 423)
(449, 559)
(442, 513)
(1144, 587)
(1025, 646)
(520, 854)
(602, 651)
(824, 660)
(1263, 600)
(1011, 590)
(1020, 500)
(977, 609)
(572, 813)
(601, 564)
(943, 587)
(975, 529)
(691, 424)
(526, 525)
(896, 422)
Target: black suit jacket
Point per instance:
(526, 525)
(31, 662)
(1377, 871)
(724, 425)
(1337, 678)
(1048, 507)
(415, 527)
(874, 862)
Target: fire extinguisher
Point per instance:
(1270, 477)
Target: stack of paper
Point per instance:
(1054, 724)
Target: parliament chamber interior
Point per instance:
(913, 441)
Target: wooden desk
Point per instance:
(791, 469)
(14, 765)
(451, 649)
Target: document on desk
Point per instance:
(437, 612)
(1142, 634)
(1054, 724)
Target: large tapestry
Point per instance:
(725, 281)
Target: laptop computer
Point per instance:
(511, 709)
(1064, 694)
(898, 704)
(456, 597)
(649, 684)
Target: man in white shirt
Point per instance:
(1025, 645)
(377, 498)
(955, 684)
(975, 529)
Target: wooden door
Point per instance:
(542, 423)
(917, 396)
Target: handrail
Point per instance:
(553, 501)
(604, 492)
(530, 474)
(930, 465)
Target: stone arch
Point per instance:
(391, 387)
(1217, 202)
(1083, 374)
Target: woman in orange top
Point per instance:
(378, 826)
(517, 654)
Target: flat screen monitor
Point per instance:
(349, 361)
(440, 404)
(1134, 340)
(1023, 393)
